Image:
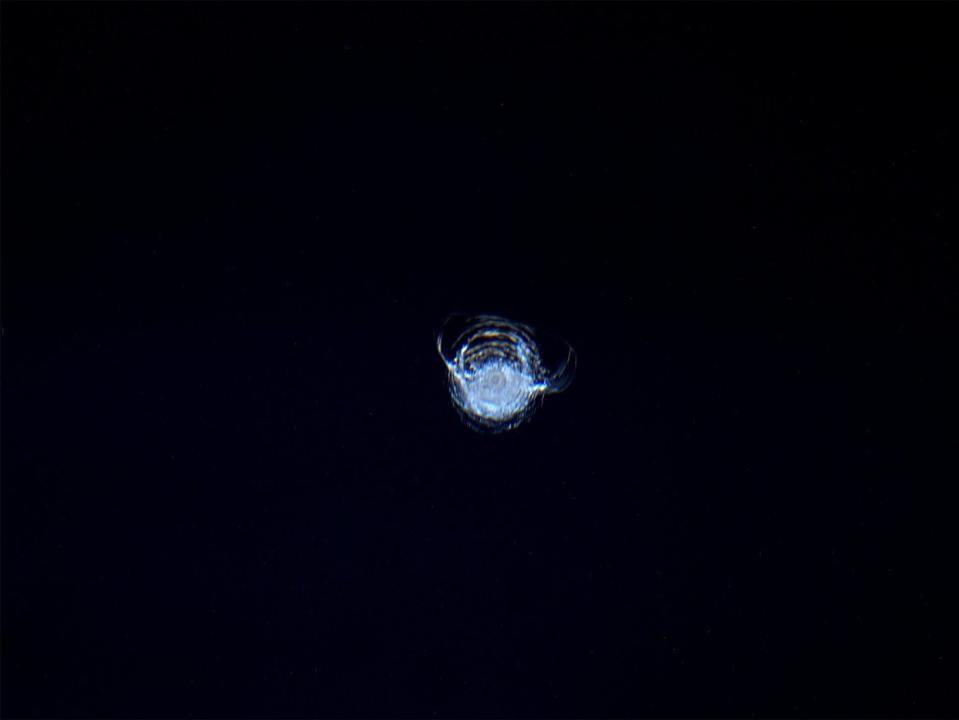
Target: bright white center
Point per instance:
(497, 391)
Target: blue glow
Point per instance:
(497, 376)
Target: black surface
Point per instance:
(233, 482)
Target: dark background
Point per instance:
(233, 481)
